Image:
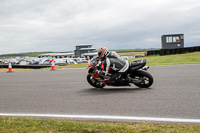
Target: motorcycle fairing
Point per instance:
(96, 76)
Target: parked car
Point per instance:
(47, 62)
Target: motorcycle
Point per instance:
(137, 74)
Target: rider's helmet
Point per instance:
(103, 52)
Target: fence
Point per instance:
(174, 51)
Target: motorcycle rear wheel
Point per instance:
(145, 77)
(93, 82)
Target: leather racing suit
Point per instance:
(117, 63)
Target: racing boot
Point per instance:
(125, 81)
(111, 82)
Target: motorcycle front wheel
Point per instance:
(93, 82)
(143, 79)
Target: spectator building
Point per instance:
(83, 50)
(172, 41)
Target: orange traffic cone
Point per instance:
(52, 65)
(88, 61)
(10, 67)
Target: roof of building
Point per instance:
(56, 54)
(173, 35)
(87, 49)
(84, 45)
(90, 54)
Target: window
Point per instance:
(176, 39)
(171, 39)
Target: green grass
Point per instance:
(188, 58)
(15, 125)
(17, 69)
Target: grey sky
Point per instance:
(59, 25)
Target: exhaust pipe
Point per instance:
(145, 68)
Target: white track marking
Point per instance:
(128, 118)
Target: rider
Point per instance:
(113, 60)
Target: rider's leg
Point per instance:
(125, 77)
(121, 72)
(113, 79)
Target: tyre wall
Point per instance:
(174, 51)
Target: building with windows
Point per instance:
(83, 49)
(172, 41)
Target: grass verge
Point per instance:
(12, 124)
(188, 58)
(16, 69)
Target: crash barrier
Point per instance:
(174, 51)
(25, 66)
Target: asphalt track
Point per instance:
(174, 94)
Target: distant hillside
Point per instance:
(132, 50)
(34, 54)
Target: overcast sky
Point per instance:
(60, 25)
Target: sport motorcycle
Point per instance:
(136, 74)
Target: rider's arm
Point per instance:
(107, 65)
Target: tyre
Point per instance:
(144, 79)
(93, 82)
